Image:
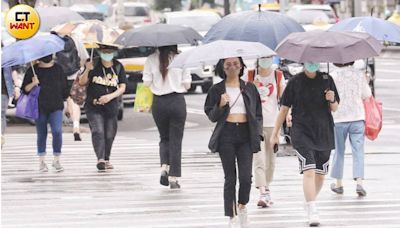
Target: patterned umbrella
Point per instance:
(90, 32)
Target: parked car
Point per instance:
(201, 21)
(326, 9)
(311, 19)
(88, 11)
(134, 13)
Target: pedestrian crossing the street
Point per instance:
(131, 196)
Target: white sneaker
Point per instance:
(312, 213)
(244, 220)
(234, 222)
(43, 167)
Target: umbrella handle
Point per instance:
(91, 55)
(33, 69)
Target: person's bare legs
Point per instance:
(76, 116)
(319, 182)
(309, 185)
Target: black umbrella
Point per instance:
(159, 35)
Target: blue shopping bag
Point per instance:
(28, 105)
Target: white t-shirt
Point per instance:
(269, 100)
(236, 101)
(173, 82)
(352, 87)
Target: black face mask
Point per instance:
(46, 59)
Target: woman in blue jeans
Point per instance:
(349, 122)
(53, 91)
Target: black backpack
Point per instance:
(69, 59)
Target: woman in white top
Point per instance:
(349, 122)
(168, 109)
(270, 85)
(236, 107)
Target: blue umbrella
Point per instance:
(25, 51)
(380, 29)
(268, 28)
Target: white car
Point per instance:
(313, 17)
(136, 14)
(201, 21)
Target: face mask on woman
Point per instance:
(46, 59)
(265, 63)
(311, 66)
(232, 70)
(106, 56)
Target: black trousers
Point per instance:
(169, 113)
(234, 145)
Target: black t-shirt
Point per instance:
(103, 81)
(313, 126)
(53, 87)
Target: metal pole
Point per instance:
(226, 7)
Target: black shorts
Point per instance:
(312, 159)
(69, 84)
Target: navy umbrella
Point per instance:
(159, 35)
(380, 29)
(268, 28)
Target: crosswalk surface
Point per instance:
(130, 195)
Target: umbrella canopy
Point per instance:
(210, 53)
(52, 16)
(326, 46)
(159, 35)
(25, 51)
(90, 31)
(380, 29)
(265, 27)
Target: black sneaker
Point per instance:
(174, 185)
(337, 190)
(77, 137)
(101, 166)
(164, 178)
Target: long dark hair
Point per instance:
(219, 68)
(165, 51)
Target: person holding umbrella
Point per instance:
(53, 92)
(349, 122)
(106, 81)
(168, 109)
(236, 107)
(270, 84)
(312, 96)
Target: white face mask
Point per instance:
(265, 63)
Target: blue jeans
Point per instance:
(4, 106)
(55, 120)
(355, 130)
